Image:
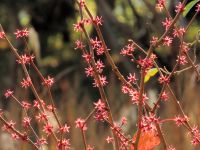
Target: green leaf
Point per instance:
(189, 6)
(150, 73)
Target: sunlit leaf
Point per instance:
(148, 140)
(150, 73)
(189, 6)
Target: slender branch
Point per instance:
(109, 58)
(90, 115)
(193, 66)
(140, 108)
(101, 90)
(84, 139)
(97, 78)
(37, 137)
(162, 138)
(14, 50)
(22, 136)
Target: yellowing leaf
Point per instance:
(150, 73)
(146, 78)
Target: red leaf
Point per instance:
(147, 141)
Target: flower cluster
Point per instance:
(109, 139)
(26, 105)
(97, 46)
(167, 23)
(41, 141)
(64, 143)
(198, 7)
(128, 50)
(171, 148)
(49, 81)
(146, 63)
(164, 96)
(64, 129)
(148, 123)
(178, 32)
(99, 65)
(195, 136)
(101, 111)
(8, 93)
(98, 20)
(10, 125)
(180, 120)
(160, 4)
(163, 79)
(21, 33)
(101, 82)
(79, 45)
(25, 83)
(154, 41)
(179, 7)
(80, 123)
(80, 24)
(25, 59)
(2, 35)
(81, 3)
(134, 94)
(182, 60)
(184, 47)
(132, 78)
(26, 122)
(48, 129)
(167, 41)
(42, 117)
(93, 49)
(124, 142)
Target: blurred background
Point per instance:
(51, 39)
